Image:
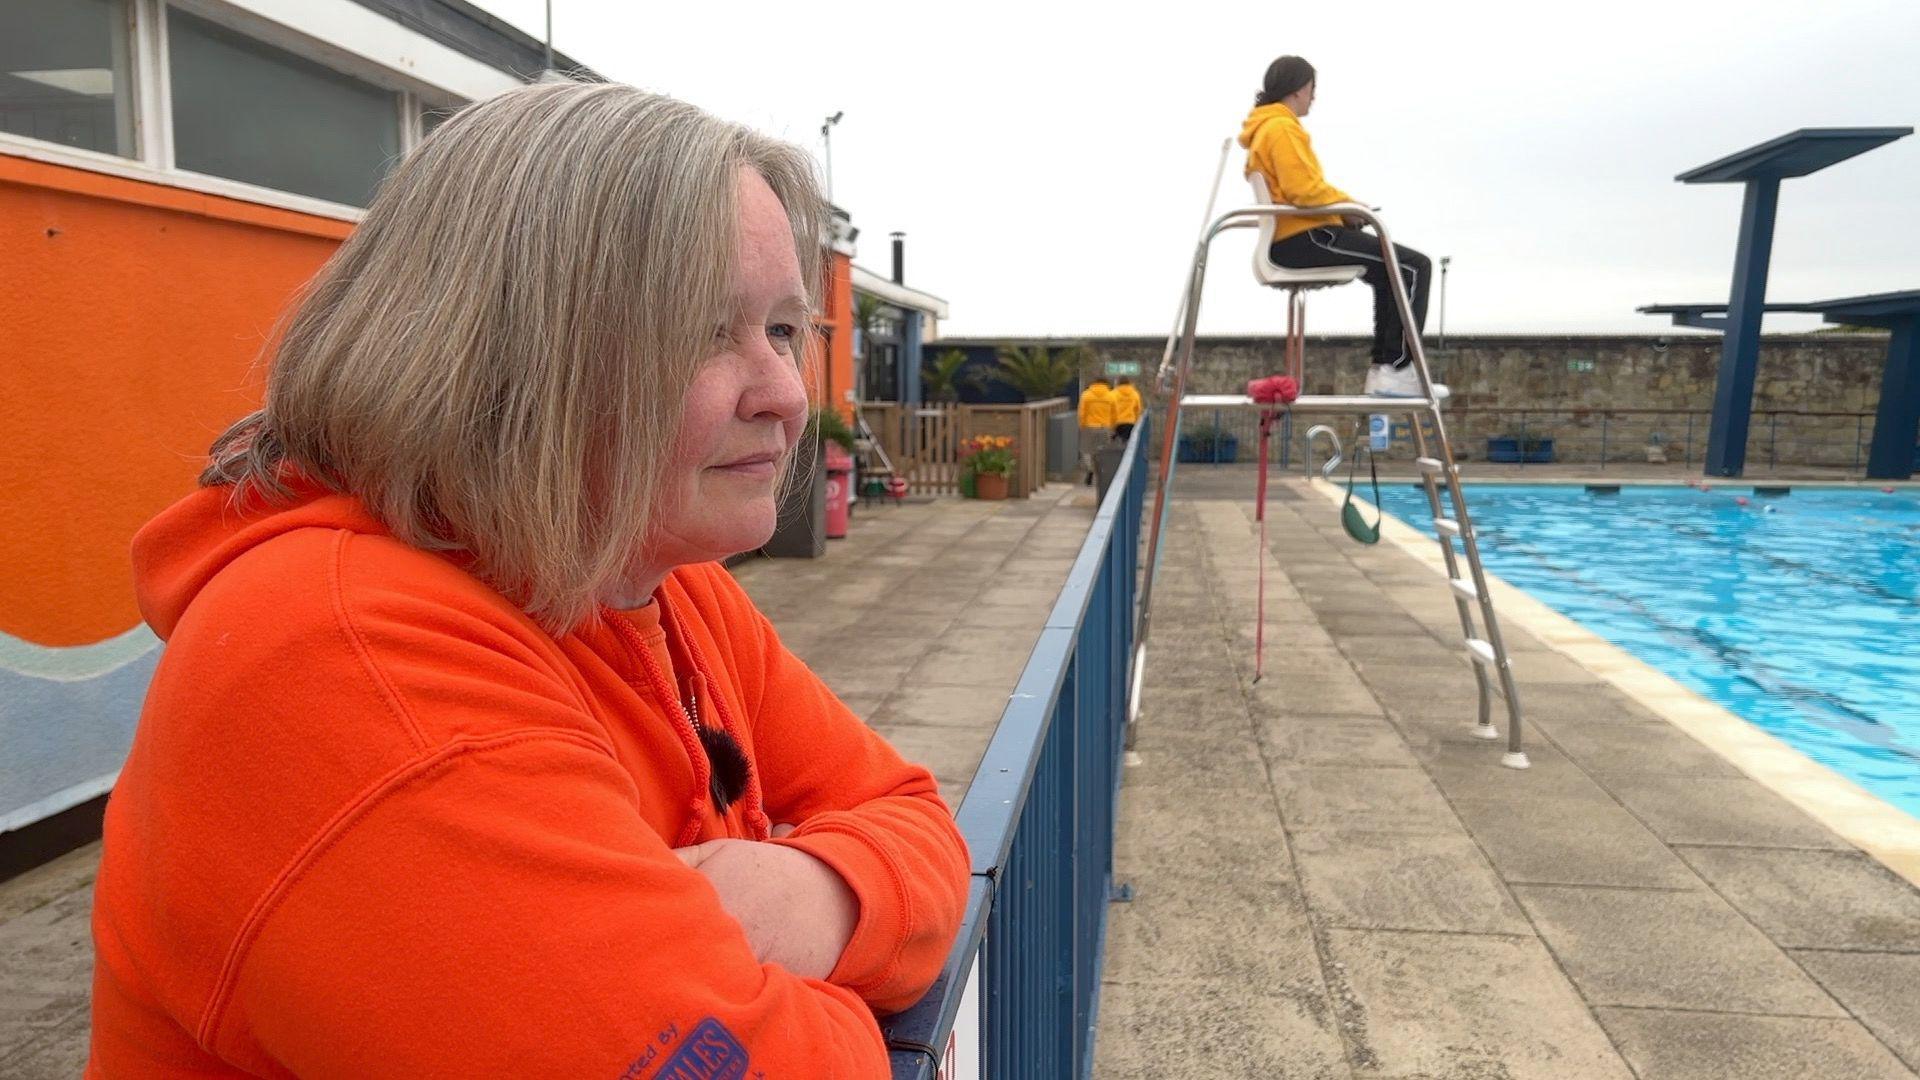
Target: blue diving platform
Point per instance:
(1761, 168)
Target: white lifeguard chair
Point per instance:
(1296, 281)
(1466, 577)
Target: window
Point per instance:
(65, 76)
(251, 112)
(882, 375)
(432, 116)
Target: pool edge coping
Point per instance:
(1887, 834)
(1731, 483)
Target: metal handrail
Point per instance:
(1326, 470)
(1070, 700)
(1180, 310)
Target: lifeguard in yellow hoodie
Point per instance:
(1278, 148)
(1096, 422)
(1127, 407)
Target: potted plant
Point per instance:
(830, 430)
(988, 460)
(829, 426)
(943, 377)
(1209, 444)
(1524, 448)
(800, 529)
(1038, 373)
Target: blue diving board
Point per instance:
(1760, 168)
(1896, 421)
(1794, 154)
(1711, 316)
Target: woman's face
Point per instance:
(747, 405)
(1301, 100)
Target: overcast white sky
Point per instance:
(1049, 162)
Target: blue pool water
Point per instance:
(1800, 612)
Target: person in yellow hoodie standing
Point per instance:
(1127, 407)
(1096, 422)
(1278, 148)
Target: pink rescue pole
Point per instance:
(1274, 389)
(1260, 556)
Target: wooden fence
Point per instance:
(924, 440)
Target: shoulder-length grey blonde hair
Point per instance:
(495, 360)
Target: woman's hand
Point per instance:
(796, 910)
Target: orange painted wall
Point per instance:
(833, 358)
(130, 320)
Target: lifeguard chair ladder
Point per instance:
(1493, 671)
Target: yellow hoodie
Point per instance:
(1096, 405)
(1278, 147)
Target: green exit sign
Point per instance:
(1129, 368)
(1579, 365)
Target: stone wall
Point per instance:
(1617, 393)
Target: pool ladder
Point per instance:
(1492, 668)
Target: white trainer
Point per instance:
(1385, 380)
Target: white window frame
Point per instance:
(410, 133)
(340, 34)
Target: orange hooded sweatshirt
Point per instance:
(376, 822)
(1278, 148)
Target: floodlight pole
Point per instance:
(826, 136)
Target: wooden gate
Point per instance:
(924, 441)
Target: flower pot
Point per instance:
(1221, 449)
(1512, 451)
(990, 486)
(800, 531)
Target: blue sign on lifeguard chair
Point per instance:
(1761, 168)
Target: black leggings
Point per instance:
(1340, 246)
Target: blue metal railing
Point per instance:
(1039, 821)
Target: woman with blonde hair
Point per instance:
(465, 757)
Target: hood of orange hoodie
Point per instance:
(177, 553)
(1260, 117)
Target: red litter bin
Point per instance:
(839, 489)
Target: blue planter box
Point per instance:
(1209, 451)
(1508, 452)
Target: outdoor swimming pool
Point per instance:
(1798, 612)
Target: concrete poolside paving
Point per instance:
(921, 620)
(1333, 879)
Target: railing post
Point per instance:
(1859, 425)
(1687, 456)
(1039, 821)
(1773, 437)
(1604, 418)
